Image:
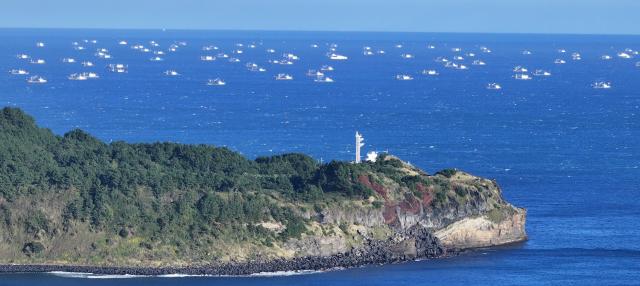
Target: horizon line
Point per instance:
(318, 31)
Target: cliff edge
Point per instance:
(74, 203)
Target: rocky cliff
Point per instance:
(461, 211)
(160, 208)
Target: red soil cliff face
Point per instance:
(363, 179)
(427, 194)
(410, 204)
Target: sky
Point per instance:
(483, 16)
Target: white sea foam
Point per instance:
(284, 273)
(93, 276)
(82, 275)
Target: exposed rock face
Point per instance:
(360, 216)
(481, 231)
(463, 211)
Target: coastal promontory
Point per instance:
(72, 202)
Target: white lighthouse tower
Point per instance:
(359, 143)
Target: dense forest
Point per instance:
(165, 192)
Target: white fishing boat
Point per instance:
(559, 62)
(451, 65)
(123, 43)
(520, 69)
(494, 86)
(606, 57)
(576, 56)
(18, 72)
(326, 68)
(156, 59)
(542, 73)
(380, 52)
(485, 50)
(314, 46)
(407, 56)
(479, 63)
(40, 44)
(234, 60)
(171, 73)
(216, 82)
(456, 50)
(209, 48)
(624, 55)
(118, 68)
(207, 58)
(430, 72)
(527, 52)
(23, 56)
(431, 47)
(79, 48)
(367, 53)
(271, 51)
(69, 60)
(314, 73)
(38, 62)
(222, 56)
(290, 56)
(102, 55)
(522, 76)
(399, 46)
(160, 53)
(404, 77)
(337, 57)
(91, 75)
(601, 85)
(323, 79)
(37, 80)
(78, 77)
(284, 76)
(562, 51)
(458, 58)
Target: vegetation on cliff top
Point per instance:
(173, 200)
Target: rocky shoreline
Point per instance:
(416, 243)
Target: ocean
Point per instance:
(567, 152)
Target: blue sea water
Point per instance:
(566, 152)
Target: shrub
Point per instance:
(448, 172)
(32, 248)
